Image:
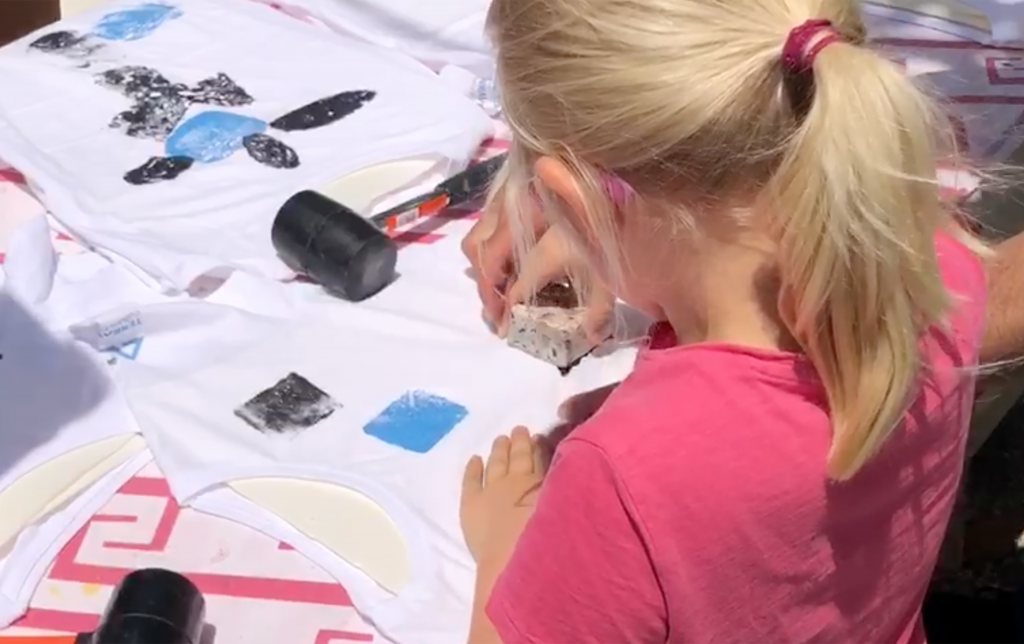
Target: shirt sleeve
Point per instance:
(581, 571)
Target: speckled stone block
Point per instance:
(551, 328)
(551, 334)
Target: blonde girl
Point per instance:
(782, 462)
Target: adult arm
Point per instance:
(1004, 330)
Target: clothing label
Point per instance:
(110, 334)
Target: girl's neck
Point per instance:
(732, 298)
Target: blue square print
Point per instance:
(416, 421)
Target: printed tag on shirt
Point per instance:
(111, 333)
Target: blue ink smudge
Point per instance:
(417, 421)
(212, 136)
(136, 22)
(129, 350)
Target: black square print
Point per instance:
(292, 405)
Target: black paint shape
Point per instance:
(158, 104)
(58, 41)
(270, 152)
(158, 169)
(219, 90)
(290, 406)
(323, 112)
(69, 44)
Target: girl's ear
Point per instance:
(557, 178)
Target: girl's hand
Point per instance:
(489, 248)
(498, 496)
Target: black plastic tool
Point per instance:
(334, 246)
(149, 606)
(354, 257)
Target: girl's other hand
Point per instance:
(498, 496)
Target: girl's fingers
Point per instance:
(497, 462)
(473, 477)
(548, 260)
(520, 460)
(494, 268)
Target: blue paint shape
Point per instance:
(417, 421)
(128, 350)
(135, 23)
(212, 136)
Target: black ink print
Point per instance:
(158, 169)
(270, 152)
(158, 104)
(323, 112)
(214, 135)
(132, 23)
(290, 406)
(219, 90)
(58, 41)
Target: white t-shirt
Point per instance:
(168, 134)
(389, 397)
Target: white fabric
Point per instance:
(64, 416)
(416, 336)
(217, 213)
(55, 396)
(32, 261)
(37, 546)
(67, 431)
(437, 33)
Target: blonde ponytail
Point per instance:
(858, 209)
(692, 104)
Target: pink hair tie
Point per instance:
(617, 189)
(797, 57)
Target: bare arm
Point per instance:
(1004, 333)
(481, 630)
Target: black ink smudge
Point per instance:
(219, 90)
(158, 169)
(158, 104)
(58, 41)
(323, 112)
(69, 44)
(291, 405)
(151, 119)
(270, 152)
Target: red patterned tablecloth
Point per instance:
(258, 590)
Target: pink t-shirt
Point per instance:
(695, 505)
